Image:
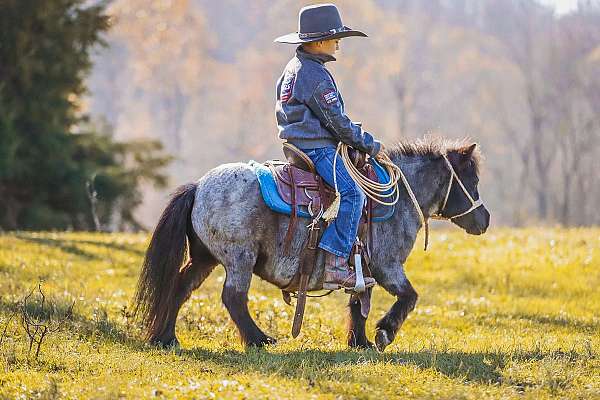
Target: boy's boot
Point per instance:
(338, 275)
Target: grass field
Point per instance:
(511, 314)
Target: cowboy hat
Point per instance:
(319, 22)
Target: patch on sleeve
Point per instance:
(330, 96)
(286, 88)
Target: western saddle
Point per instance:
(299, 184)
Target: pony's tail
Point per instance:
(164, 257)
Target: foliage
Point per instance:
(48, 149)
(519, 79)
(511, 314)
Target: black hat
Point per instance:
(319, 22)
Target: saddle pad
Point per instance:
(268, 189)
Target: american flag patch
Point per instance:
(330, 96)
(286, 88)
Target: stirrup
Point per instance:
(359, 285)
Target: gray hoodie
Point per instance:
(310, 109)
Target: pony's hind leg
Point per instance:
(189, 278)
(239, 269)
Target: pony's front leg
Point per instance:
(395, 282)
(357, 335)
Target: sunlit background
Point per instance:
(512, 75)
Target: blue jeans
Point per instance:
(340, 235)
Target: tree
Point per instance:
(48, 149)
(168, 50)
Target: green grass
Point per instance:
(511, 314)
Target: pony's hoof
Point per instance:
(363, 346)
(381, 340)
(360, 344)
(262, 342)
(270, 340)
(168, 344)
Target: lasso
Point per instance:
(372, 189)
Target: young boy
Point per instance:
(310, 115)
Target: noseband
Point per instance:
(474, 203)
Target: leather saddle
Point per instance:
(299, 185)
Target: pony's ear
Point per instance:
(467, 151)
(465, 154)
(460, 157)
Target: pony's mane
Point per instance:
(433, 146)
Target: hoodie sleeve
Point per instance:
(326, 105)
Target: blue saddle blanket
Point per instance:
(271, 196)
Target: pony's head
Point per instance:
(461, 203)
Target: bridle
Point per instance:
(453, 175)
(474, 203)
(373, 189)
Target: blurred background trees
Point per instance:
(58, 170)
(513, 75)
(199, 76)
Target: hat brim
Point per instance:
(293, 38)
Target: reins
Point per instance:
(375, 190)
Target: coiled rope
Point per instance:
(374, 190)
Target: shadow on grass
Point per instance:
(558, 321)
(539, 322)
(64, 245)
(476, 367)
(112, 246)
(70, 246)
(480, 367)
